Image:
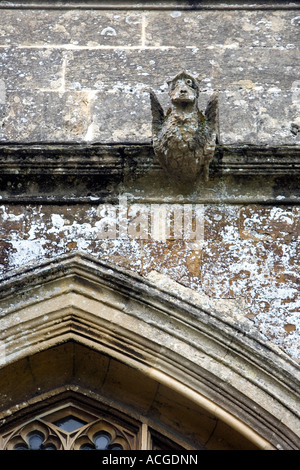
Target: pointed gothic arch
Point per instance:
(145, 349)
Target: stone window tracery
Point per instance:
(70, 433)
(73, 428)
(33, 436)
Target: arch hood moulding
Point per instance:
(210, 355)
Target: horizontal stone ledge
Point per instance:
(146, 5)
(139, 159)
(75, 159)
(250, 160)
(106, 198)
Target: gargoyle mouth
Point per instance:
(183, 98)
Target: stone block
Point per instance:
(30, 69)
(115, 69)
(254, 72)
(223, 29)
(121, 116)
(88, 28)
(45, 116)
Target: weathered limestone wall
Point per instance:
(83, 77)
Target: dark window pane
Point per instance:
(20, 447)
(36, 441)
(102, 440)
(115, 447)
(87, 447)
(49, 447)
(70, 423)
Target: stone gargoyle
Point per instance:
(184, 138)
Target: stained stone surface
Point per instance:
(249, 253)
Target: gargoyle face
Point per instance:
(183, 90)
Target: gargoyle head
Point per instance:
(183, 89)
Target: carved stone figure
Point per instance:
(184, 138)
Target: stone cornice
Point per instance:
(118, 159)
(50, 173)
(251, 160)
(146, 5)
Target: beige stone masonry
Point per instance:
(161, 332)
(51, 60)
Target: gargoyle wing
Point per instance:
(158, 114)
(212, 115)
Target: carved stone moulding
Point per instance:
(77, 173)
(161, 333)
(139, 159)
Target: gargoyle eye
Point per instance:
(189, 82)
